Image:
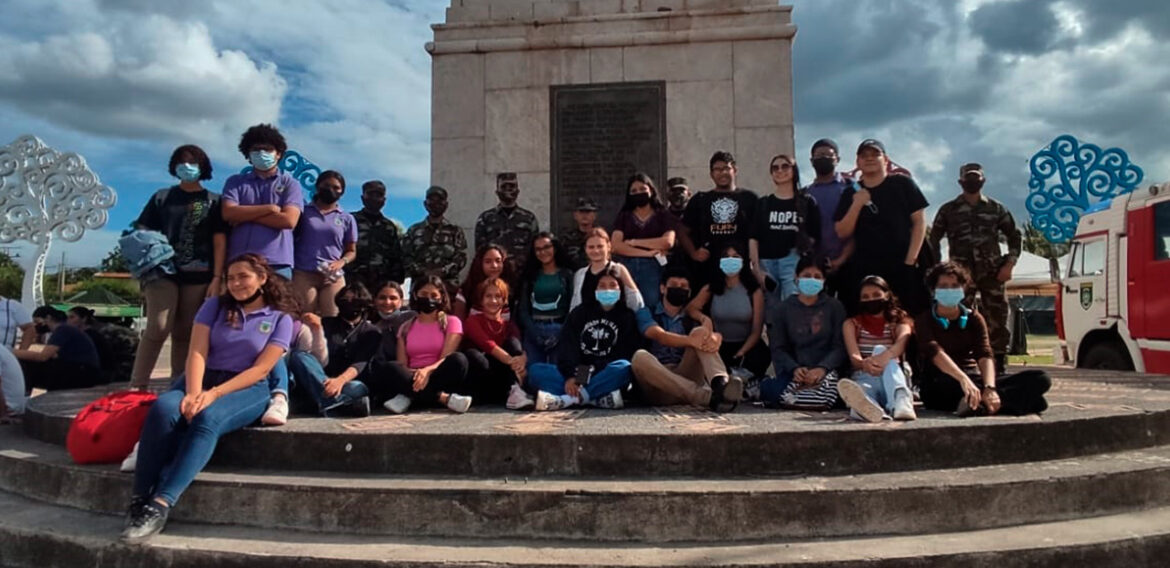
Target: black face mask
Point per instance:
(873, 307)
(425, 305)
(823, 166)
(435, 208)
(327, 197)
(678, 296)
(42, 328)
(640, 200)
(252, 298)
(678, 200)
(971, 185)
(349, 309)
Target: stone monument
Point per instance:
(576, 95)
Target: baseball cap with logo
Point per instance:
(871, 143)
(677, 182)
(969, 168)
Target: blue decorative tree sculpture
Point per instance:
(300, 168)
(1069, 177)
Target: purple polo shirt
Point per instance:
(235, 349)
(322, 236)
(282, 189)
(827, 196)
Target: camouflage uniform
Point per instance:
(573, 242)
(972, 233)
(379, 251)
(512, 228)
(437, 248)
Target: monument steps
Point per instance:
(34, 534)
(621, 510)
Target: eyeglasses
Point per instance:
(782, 167)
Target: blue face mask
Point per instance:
(948, 297)
(187, 172)
(608, 297)
(730, 265)
(810, 286)
(262, 161)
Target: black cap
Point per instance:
(436, 189)
(825, 142)
(871, 143)
(677, 182)
(586, 204)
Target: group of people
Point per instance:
(272, 302)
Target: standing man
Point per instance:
(573, 240)
(972, 224)
(715, 217)
(507, 224)
(263, 205)
(678, 193)
(826, 189)
(379, 244)
(434, 245)
(886, 218)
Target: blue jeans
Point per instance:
(647, 274)
(614, 376)
(881, 389)
(171, 451)
(540, 341)
(783, 271)
(278, 378)
(310, 377)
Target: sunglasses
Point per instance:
(781, 167)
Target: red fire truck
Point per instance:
(1114, 301)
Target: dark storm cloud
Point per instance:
(1026, 26)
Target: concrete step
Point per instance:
(1085, 419)
(622, 510)
(34, 534)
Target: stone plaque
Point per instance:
(602, 134)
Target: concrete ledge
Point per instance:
(612, 40)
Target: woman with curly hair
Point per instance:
(491, 261)
(236, 341)
(542, 303)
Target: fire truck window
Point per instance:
(1162, 231)
(1089, 259)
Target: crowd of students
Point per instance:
(741, 299)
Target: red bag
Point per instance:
(106, 429)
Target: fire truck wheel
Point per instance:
(1108, 356)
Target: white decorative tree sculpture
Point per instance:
(43, 193)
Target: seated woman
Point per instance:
(597, 250)
(736, 307)
(876, 339)
(69, 359)
(643, 235)
(331, 385)
(489, 262)
(546, 290)
(593, 355)
(428, 369)
(494, 355)
(807, 349)
(389, 314)
(953, 341)
(237, 339)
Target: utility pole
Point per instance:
(61, 279)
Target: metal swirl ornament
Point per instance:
(1068, 177)
(300, 168)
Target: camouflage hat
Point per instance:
(506, 176)
(586, 204)
(434, 189)
(677, 182)
(971, 167)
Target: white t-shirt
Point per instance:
(12, 315)
(11, 381)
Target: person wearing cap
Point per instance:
(886, 218)
(573, 240)
(435, 245)
(826, 188)
(678, 193)
(716, 217)
(973, 223)
(379, 242)
(507, 224)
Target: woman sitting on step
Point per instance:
(495, 357)
(236, 340)
(953, 341)
(876, 339)
(330, 385)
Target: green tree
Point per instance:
(115, 262)
(11, 277)
(1037, 244)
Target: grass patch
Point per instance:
(1030, 359)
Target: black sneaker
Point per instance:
(148, 521)
(720, 401)
(360, 407)
(136, 502)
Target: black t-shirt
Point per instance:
(716, 217)
(188, 219)
(777, 222)
(883, 229)
(594, 336)
(74, 346)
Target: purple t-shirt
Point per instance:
(282, 190)
(235, 349)
(827, 196)
(322, 236)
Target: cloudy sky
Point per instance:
(941, 82)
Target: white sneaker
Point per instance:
(277, 413)
(549, 401)
(131, 460)
(458, 403)
(612, 400)
(398, 405)
(856, 399)
(904, 406)
(518, 399)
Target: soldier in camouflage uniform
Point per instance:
(379, 243)
(507, 224)
(434, 245)
(972, 224)
(573, 240)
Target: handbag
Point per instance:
(106, 430)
